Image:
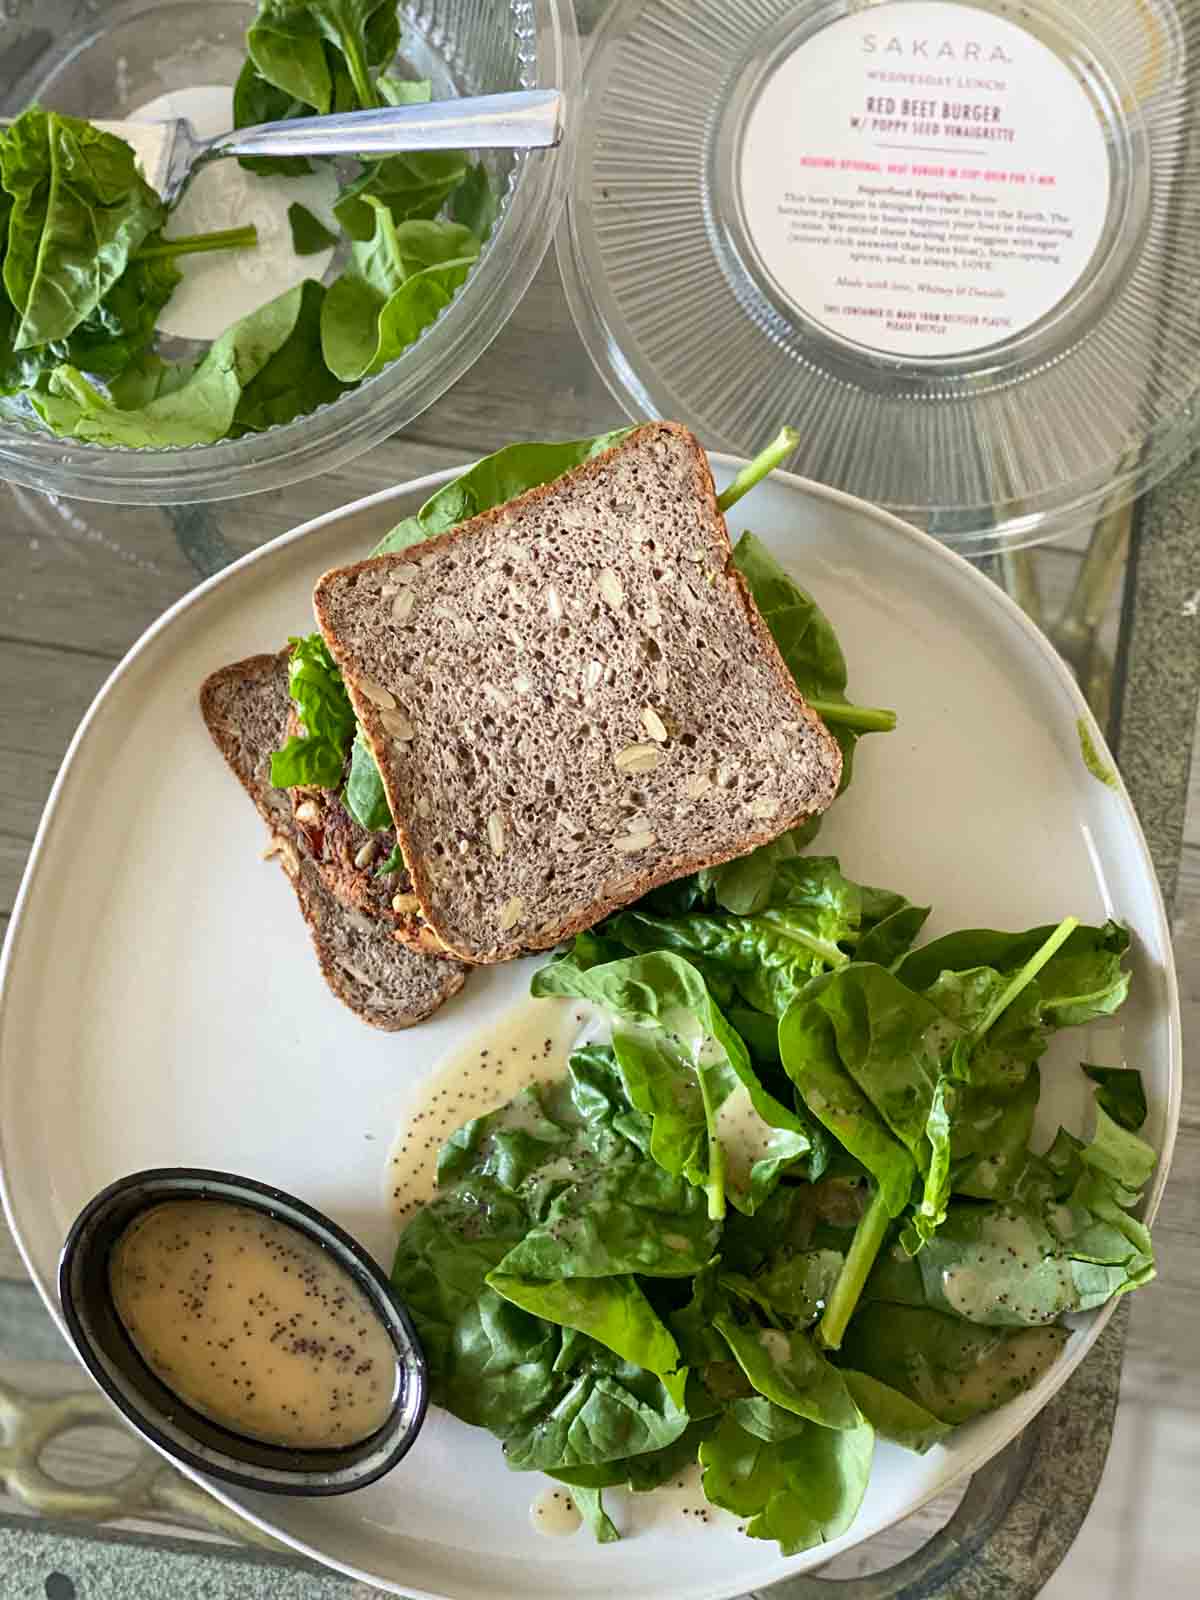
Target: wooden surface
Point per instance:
(79, 583)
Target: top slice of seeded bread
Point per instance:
(573, 698)
(388, 985)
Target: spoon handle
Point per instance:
(528, 120)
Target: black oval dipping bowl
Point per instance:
(158, 1413)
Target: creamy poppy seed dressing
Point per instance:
(253, 1324)
(530, 1044)
(555, 1514)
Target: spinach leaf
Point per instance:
(613, 1311)
(365, 797)
(798, 1218)
(744, 885)
(801, 1491)
(474, 203)
(792, 918)
(1066, 1243)
(590, 1505)
(597, 1207)
(647, 1471)
(787, 1369)
(1008, 952)
(792, 1289)
(287, 42)
(889, 926)
(295, 380)
(118, 334)
(490, 1363)
(996, 1266)
(1120, 1094)
(80, 209)
(255, 100)
(1096, 1186)
(395, 91)
(759, 1033)
(400, 280)
(1044, 979)
(865, 1054)
(1117, 1152)
(123, 325)
(953, 1369)
(930, 1212)
(608, 1410)
(199, 411)
(409, 187)
(998, 1057)
(813, 1032)
(765, 1420)
(810, 649)
(683, 1066)
(990, 1134)
(288, 52)
(309, 234)
(771, 957)
(393, 863)
(318, 756)
(146, 378)
(492, 482)
(893, 1415)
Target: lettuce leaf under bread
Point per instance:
(317, 757)
(810, 649)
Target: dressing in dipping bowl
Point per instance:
(243, 1332)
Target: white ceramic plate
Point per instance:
(160, 1005)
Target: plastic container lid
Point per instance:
(957, 245)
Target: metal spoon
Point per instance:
(171, 153)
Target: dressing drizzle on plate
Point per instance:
(530, 1044)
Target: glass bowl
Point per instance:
(99, 60)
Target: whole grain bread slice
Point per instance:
(387, 984)
(572, 698)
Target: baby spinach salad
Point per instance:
(792, 1205)
(87, 263)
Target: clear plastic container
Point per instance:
(100, 59)
(768, 196)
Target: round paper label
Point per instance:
(924, 178)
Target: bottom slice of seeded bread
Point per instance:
(387, 984)
(572, 698)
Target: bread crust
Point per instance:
(677, 864)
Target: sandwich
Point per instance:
(384, 980)
(572, 698)
(526, 710)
